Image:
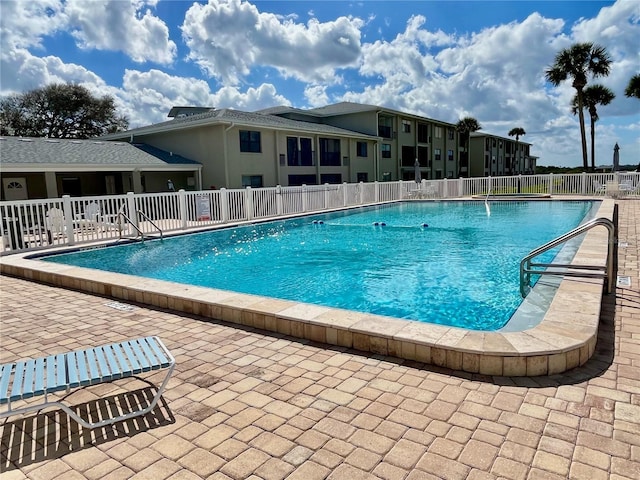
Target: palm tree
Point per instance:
(578, 62)
(464, 127)
(633, 89)
(592, 96)
(517, 132)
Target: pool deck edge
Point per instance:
(564, 339)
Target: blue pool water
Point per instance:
(462, 269)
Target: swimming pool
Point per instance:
(448, 263)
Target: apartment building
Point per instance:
(343, 142)
(402, 138)
(492, 155)
(204, 147)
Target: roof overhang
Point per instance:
(40, 168)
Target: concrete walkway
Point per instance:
(246, 405)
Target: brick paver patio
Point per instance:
(246, 405)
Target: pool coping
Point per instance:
(564, 339)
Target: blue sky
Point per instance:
(439, 59)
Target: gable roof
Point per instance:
(229, 116)
(23, 152)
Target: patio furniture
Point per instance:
(627, 188)
(599, 188)
(54, 223)
(29, 378)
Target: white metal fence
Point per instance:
(37, 224)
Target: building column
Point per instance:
(137, 181)
(51, 184)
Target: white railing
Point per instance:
(37, 224)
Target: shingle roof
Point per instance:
(491, 135)
(227, 116)
(342, 108)
(54, 151)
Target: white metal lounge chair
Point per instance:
(30, 378)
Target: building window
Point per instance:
(450, 155)
(297, 180)
(361, 148)
(493, 140)
(386, 150)
(299, 152)
(362, 177)
(250, 141)
(330, 152)
(450, 133)
(253, 181)
(385, 127)
(437, 132)
(423, 133)
(406, 126)
(437, 153)
(423, 157)
(330, 178)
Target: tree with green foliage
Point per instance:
(633, 89)
(516, 132)
(578, 63)
(592, 96)
(464, 127)
(60, 111)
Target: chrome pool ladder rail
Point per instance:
(527, 267)
(122, 215)
(146, 217)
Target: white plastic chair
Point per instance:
(55, 223)
(91, 219)
(599, 188)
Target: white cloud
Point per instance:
(127, 26)
(147, 97)
(497, 76)
(316, 95)
(227, 38)
(20, 71)
(23, 24)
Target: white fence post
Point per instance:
(248, 201)
(345, 194)
(460, 187)
(583, 183)
(519, 183)
(304, 198)
(131, 208)
(360, 193)
(182, 204)
(376, 191)
(68, 219)
(551, 184)
(224, 205)
(326, 196)
(279, 199)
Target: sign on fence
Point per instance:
(203, 207)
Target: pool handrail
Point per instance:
(606, 272)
